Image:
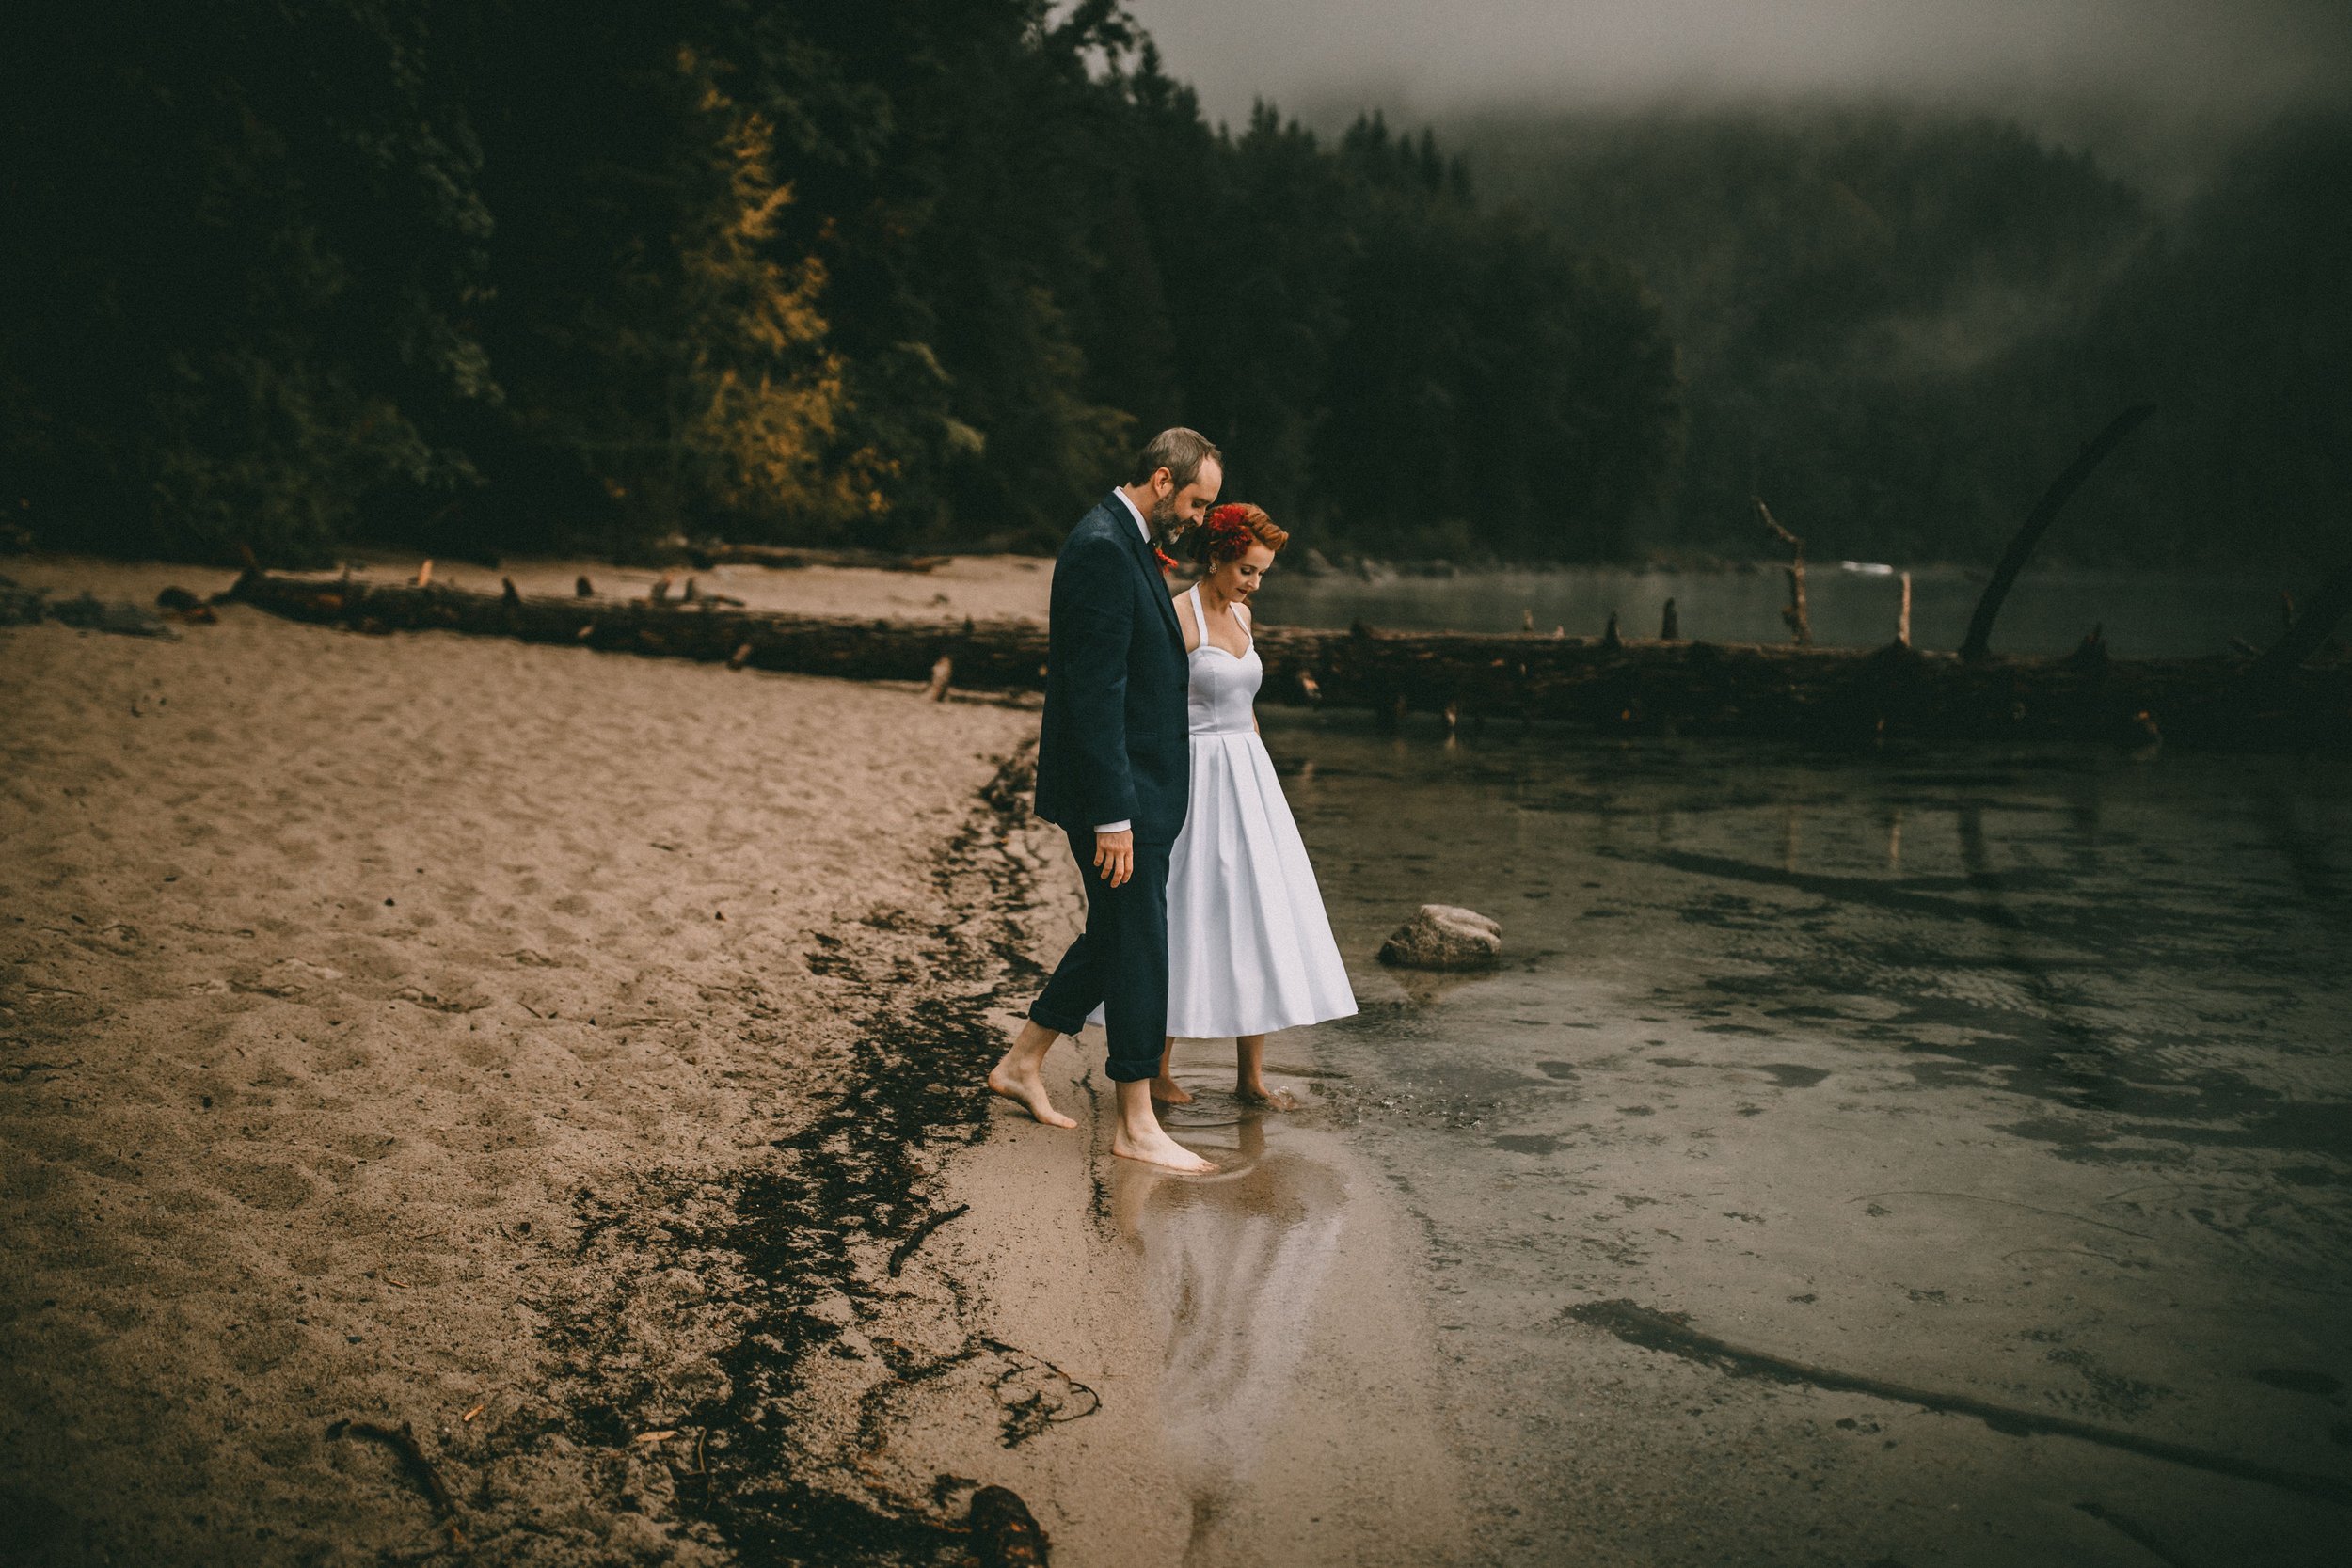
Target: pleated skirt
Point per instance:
(1249, 948)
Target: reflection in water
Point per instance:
(2076, 1054)
(1233, 1264)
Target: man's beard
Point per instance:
(1166, 524)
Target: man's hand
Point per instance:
(1115, 856)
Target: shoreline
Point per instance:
(561, 1077)
(365, 1000)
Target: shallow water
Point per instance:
(2020, 1077)
(2146, 614)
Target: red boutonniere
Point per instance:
(1167, 561)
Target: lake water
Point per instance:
(2146, 614)
(2015, 1077)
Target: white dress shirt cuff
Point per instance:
(1114, 827)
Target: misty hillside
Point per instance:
(1897, 325)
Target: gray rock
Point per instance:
(1443, 936)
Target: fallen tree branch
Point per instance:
(2094, 451)
(2308, 630)
(1799, 620)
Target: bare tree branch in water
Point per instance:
(2307, 631)
(1800, 625)
(2038, 521)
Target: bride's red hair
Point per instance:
(1232, 529)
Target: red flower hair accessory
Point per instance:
(1230, 533)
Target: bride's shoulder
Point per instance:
(1186, 622)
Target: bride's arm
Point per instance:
(1251, 626)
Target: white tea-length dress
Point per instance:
(1249, 949)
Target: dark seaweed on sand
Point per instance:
(809, 1222)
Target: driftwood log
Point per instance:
(1799, 620)
(1637, 686)
(789, 557)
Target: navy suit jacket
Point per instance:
(1114, 746)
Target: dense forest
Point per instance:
(1897, 325)
(512, 275)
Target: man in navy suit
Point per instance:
(1114, 772)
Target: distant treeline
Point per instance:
(1898, 327)
(488, 275)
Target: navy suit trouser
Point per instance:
(1120, 962)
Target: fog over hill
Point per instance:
(2151, 84)
(1909, 253)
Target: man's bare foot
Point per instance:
(1265, 1097)
(1167, 1091)
(1139, 1136)
(1155, 1148)
(1016, 1077)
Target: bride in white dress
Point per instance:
(1249, 949)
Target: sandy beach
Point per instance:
(370, 1009)
(569, 1062)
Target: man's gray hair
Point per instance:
(1181, 451)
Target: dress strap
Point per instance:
(1199, 616)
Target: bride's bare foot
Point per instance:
(1156, 1147)
(1017, 1076)
(1165, 1090)
(1249, 1085)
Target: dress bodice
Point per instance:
(1222, 687)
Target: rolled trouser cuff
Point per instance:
(1056, 1025)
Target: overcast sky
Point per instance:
(2190, 59)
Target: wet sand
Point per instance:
(1254, 1345)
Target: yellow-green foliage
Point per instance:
(760, 399)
